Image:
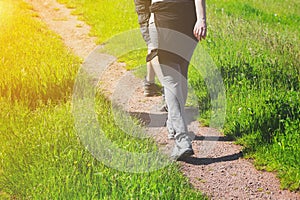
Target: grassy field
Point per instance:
(256, 49)
(41, 156)
(31, 72)
(255, 45)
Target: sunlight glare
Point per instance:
(1, 8)
(5, 12)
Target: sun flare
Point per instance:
(6, 10)
(1, 8)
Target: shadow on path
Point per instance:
(158, 119)
(213, 138)
(207, 161)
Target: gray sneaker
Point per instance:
(183, 147)
(180, 154)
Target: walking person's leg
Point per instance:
(172, 18)
(150, 87)
(174, 82)
(152, 57)
(144, 15)
(150, 77)
(153, 49)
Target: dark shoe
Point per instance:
(151, 89)
(180, 154)
(183, 147)
(187, 153)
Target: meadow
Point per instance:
(255, 45)
(41, 156)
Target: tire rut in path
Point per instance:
(220, 173)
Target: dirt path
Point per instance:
(220, 173)
(74, 33)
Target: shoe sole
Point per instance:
(186, 154)
(151, 94)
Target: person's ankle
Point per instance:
(149, 81)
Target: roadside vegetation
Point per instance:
(255, 45)
(41, 156)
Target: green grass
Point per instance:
(41, 156)
(107, 17)
(255, 45)
(258, 55)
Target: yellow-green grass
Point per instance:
(35, 67)
(41, 157)
(255, 45)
